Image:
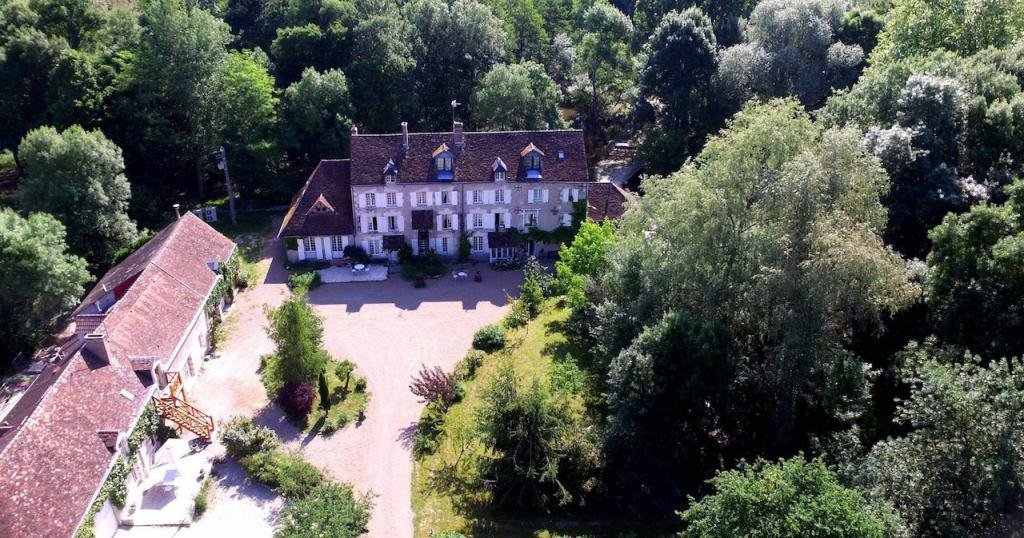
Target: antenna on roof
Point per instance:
(177, 210)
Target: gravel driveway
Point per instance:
(389, 329)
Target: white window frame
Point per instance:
(446, 221)
(337, 243)
(373, 247)
(499, 196)
(499, 175)
(478, 220)
(444, 198)
(477, 197)
(308, 244)
(477, 243)
(531, 218)
(444, 245)
(421, 198)
(391, 199)
(371, 200)
(392, 223)
(373, 225)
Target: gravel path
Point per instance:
(389, 329)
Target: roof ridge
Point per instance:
(473, 132)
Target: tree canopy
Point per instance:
(78, 177)
(516, 97)
(41, 280)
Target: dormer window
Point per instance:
(321, 205)
(531, 156)
(500, 170)
(443, 163)
(390, 172)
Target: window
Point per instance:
(499, 175)
(371, 199)
(499, 221)
(391, 199)
(478, 220)
(373, 225)
(392, 223)
(561, 155)
(444, 245)
(530, 218)
(443, 162)
(477, 243)
(499, 196)
(373, 247)
(566, 219)
(421, 198)
(446, 222)
(444, 197)
(533, 161)
(573, 194)
(476, 196)
(337, 243)
(308, 244)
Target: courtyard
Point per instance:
(389, 329)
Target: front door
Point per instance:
(423, 242)
(324, 248)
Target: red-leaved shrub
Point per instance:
(297, 399)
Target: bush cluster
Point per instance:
(467, 367)
(428, 429)
(242, 437)
(490, 338)
(287, 473)
(304, 282)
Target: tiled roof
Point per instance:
(331, 181)
(605, 200)
(564, 155)
(56, 461)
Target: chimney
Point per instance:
(109, 439)
(96, 344)
(354, 130)
(405, 136)
(177, 210)
(458, 138)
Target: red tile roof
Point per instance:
(605, 200)
(51, 468)
(330, 179)
(473, 161)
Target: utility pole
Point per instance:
(222, 163)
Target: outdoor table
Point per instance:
(460, 275)
(358, 267)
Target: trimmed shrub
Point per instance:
(356, 253)
(490, 338)
(469, 364)
(304, 282)
(428, 429)
(361, 384)
(329, 510)
(297, 399)
(287, 473)
(242, 437)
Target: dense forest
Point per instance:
(813, 315)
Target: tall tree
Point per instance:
(40, 280)
(957, 471)
(298, 335)
(975, 284)
(734, 287)
(78, 177)
(251, 125)
(180, 56)
(453, 46)
(517, 97)
(316, 111)
(606, 63)
(381, 71)
(681, 59)
(916, 27)
(26, 59)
